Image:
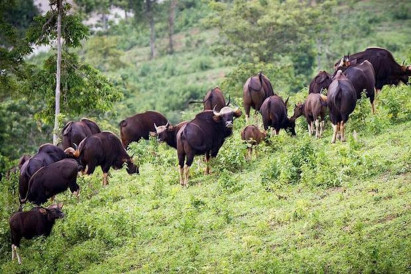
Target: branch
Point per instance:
(47, 23)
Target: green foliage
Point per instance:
(43, 30)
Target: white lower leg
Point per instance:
(17, 254)
(334, 133)
(105, 181)
(322, 128)
(317, 128)
(186, 172)
(12, 252)
(309, 129)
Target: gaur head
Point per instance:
(298, 110)
(291, 126)
(162, 131)
(52, 212)
(226, 115)
(131, 167)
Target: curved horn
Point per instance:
(168, 123)
(215, 112)
(75, 146)
(286, 101)
(155, 126)
(228, 101)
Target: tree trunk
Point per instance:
(57, 109)
(171, 18)
(149, 9)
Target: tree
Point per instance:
(145, 9)
(171, 19)
(82, 88)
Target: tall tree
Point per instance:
(82, 88)
(59, 5)
(145, 9)
(171, 19)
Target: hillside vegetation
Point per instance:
(301, 205)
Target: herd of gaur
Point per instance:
(53, 169)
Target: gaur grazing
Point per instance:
(75, 132)
(314, 110)
(214, 99)
(53, 179)
(132, 129)
(341, 100)
(362, 77)
(205, 134)
(387, 70)
(274, 112)
(320, 82)
(255, 90)
(29, 224)
(102, 149)
(168, 133)
(46, 155)
(252, 136)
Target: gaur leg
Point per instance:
(12, 253)
(342, 131)
(105, 170)
(247, 113)
(322, 123)
(372, 96)
(17, 254)
(249, 153)
(334, 133)
(317, 128)
(277, 131)
(181, 157)
(207, 160)
(190, 159)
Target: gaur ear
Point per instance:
(237, 112)
(216, 118)
(153, 134)
(60, 205)
(170, 128)
(43, 211)
(321, 78)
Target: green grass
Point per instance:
(302, 205)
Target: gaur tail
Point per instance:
(195, 102)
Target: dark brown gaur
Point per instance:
(255, 90)
(274, 112)
(252, 135)
(314, 109)
(362, 76)
(204, 135)
(214, 99)
(133, 128)
(341, 100)
(387, 70)
(102, 149)
(29, 224)
(168, 133)
(75, 132)
(321, 81)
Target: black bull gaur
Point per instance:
(205, 134)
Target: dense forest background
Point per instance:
(302, 205)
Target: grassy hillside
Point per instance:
(303, 205)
